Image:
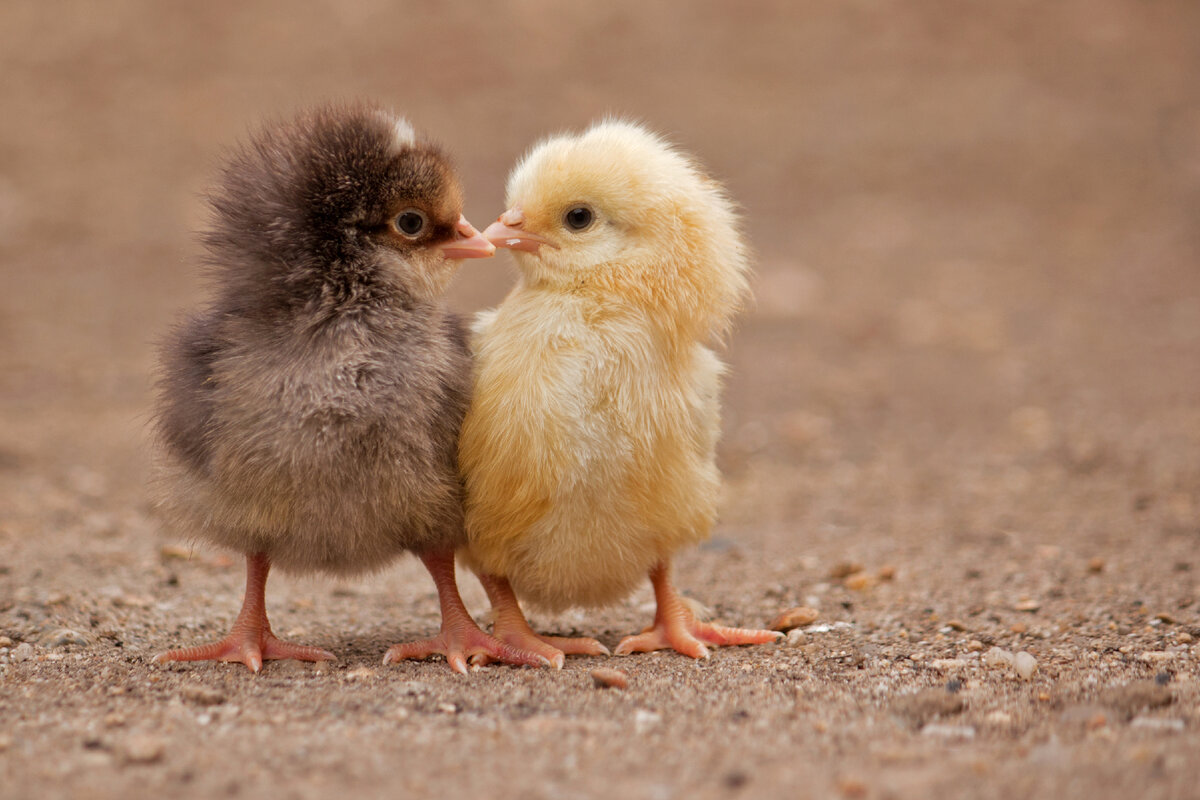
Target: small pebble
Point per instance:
(948, 664)
(360, 674)
(447, 708)
(887, 573)
(1183, 637)
(928, 704)
(974, 646)
(859, 581)
(174, 551)
(605, 678)
(795, 618)
(955, 625)
(943, 731)
(643, 720)
(1095, 565)
(796, 638)
(845, 569)
(852, 788)
(22, 652)
(1027, 604)
(124, 600)
(1156, 656)
(1136, 696)
(1158, 724)
(142, 749)
(202, 695)
(63, 637)
(1025, 665)
(998, 658)
(5, 641)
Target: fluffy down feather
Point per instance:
(588, 447)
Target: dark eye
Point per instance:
(578, 218)
(410, 222)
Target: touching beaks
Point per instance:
(508, 231)
(469, 244)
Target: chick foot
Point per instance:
(460, 638)
(676, 628)
(511, 627)
(251, 640)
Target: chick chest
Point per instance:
(339, 442)
(587, 449)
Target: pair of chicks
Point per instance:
(326, 412)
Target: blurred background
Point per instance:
(965, 408)
(976, 227)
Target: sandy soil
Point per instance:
(964, 415)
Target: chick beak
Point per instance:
(508, 231)
(469, 243)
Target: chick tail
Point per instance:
(251, 640)
(460, 637)
(676, 627)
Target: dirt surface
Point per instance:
(964, 415)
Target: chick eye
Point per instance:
(410, 222)
(578, 218)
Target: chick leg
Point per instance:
(511, 626)
(675, 626)
(460, 638)
(251, 640)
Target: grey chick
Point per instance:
(309, 415)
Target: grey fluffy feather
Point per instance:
(311, 411)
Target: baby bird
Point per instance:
(309, 416)
(588, 450)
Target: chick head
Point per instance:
(339, 196)
(619, 211)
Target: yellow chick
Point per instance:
(588, 448)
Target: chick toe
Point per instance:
(676, 628)
(250, 641)
(460, 638)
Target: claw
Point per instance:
(676, 627)
(251, 641)
(460, 638)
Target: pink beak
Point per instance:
(469, 244)
(508, 231)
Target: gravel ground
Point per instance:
(962, 423)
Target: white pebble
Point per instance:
(948, 731)
(1159, 724)
(998, 657)
(796, 638)
(643, 720)
(1025, 665)
(22, 652)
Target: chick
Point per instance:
(588, 449)
(309, 415)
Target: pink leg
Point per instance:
(676, 628)
(460, 637)
(251, 640)
(510, 626)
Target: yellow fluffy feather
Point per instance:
(588, 448)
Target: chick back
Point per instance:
(330, 446)
(588, 451)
